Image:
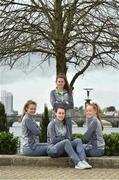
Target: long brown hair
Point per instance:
(67, 87)
(98, 111)
(61, 107)
(29, 102)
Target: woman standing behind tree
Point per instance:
(62, 96)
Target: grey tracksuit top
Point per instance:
(30, 131)
(94, 134)
(53, 135)
(66, 100)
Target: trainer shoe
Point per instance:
(80, 165)
(88, 166)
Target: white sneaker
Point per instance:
(88, 166)
(80, 165)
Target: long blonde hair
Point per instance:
(29, 102)
(98, 111)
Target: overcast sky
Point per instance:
(37, 84)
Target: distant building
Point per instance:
(7, 100)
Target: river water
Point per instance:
(16, 129)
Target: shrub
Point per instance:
(44, 123)
(3, 119)
(111, 143)
(8, 143)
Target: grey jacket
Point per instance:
(94, 134)
(53, 135)
(30, 131)
(66, 102)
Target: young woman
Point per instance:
(94, 135)
(62, 96)
(58, 138)
(31, 132)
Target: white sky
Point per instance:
(38, 84)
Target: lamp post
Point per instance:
(87, 101)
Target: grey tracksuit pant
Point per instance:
(74, 149)
(69, 124)
(39, 149)
(93, 152)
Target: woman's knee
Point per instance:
(67, 141)
(78, 141)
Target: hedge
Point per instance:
(8, 143)
(111, 143)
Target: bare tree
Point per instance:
(74, 33)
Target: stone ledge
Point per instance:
(19, 160)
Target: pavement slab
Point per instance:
(56, 173)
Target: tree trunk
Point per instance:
(59, 38)
(60, 61)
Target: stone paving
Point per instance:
(55, 173)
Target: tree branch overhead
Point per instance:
(79, 34)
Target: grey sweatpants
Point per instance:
(74, 149)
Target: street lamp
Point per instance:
(88, 94)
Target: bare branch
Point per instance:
(76, 33)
